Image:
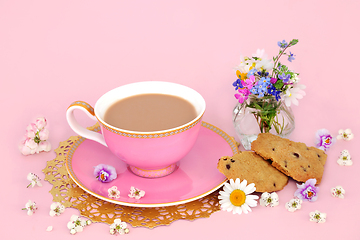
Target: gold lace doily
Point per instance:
(65, 191)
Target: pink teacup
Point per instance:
(148, 154)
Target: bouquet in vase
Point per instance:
(266, 89)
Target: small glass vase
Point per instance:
(260, 115)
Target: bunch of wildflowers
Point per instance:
(36, 138)
(261, 77)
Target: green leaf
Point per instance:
(279, 84)
(293, 42)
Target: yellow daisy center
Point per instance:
(237, 197)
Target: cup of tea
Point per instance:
(149, 125)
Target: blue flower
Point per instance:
(291, 57)
(251, 72)
(264, 81)
(282, 44)
(259, 90)
(273, 91)
(284, 78)
(237, 84)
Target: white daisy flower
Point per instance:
(294, 93)
(34, 180)
(136, 193)
(269, 199)
(56, 209)
(338, 192)
(113, 192)
(236, 197)
(264, 63)
(31, 207)
(317, 217)
(345, 159)
(119, 227)
(49, 228)
(293, 205)
(346, 134)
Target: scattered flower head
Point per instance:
(293, 205)
(49, 228)
(317, 217)
(31, 207)
(269, 199)
(236, 197)
(105, 173)
(56, 209)
(36, 138)
(119, 227)
(77, 224)
(324, 140)
(113, 192)
(338, 192)
(136, 193)
(346, 134)
(307, 191)
(345, 158)
(280, 81)
(34, 180)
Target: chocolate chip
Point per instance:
(274, 184)
(273, 149)
(296, 155)
(303, 168)
(232, 160)
(224, 159)
(228, 166)
(285, 163)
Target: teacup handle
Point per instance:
(89, 110)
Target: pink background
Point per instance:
(55, 52)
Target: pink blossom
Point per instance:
(31, 130)
(249, 83)
(28, 146)
(44, 134)
(35, 139)
(44, 146)
(40, 123)
(244, 93)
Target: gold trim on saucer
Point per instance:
(67, 192)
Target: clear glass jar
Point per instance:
(259, 115)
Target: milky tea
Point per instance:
(150, 112)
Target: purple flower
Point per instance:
(105, 173)
(285, 77)
(273, 80)
(307, 191)
(324, 140)
(282, 44)
(237, 84)
(291, 57)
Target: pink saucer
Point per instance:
(196, 175)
